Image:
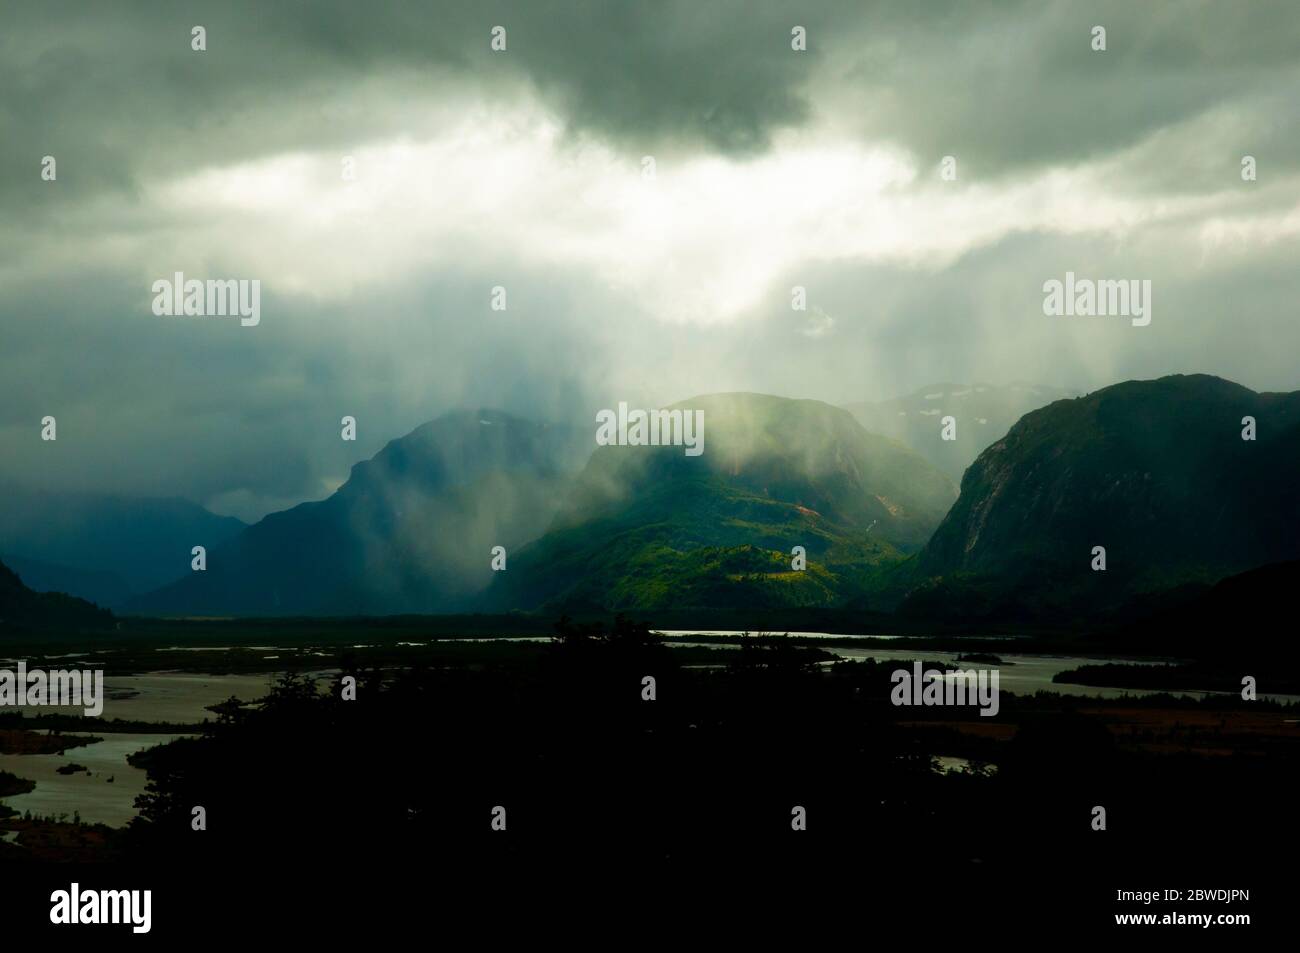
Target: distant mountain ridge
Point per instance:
(102, 587)
(1154, 471)
(411, 531)
(103, 546)
(23, 610)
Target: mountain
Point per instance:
(102, 587)
(410, 531)
(93, 545)
(651, 527)
(983, 414)
(1192, 620)
(23, 610)
(1156, 472)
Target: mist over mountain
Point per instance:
(103, 547)
(651, 527)
(1156, 472)
(983, 414)
(411, 530)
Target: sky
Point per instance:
(380, 169)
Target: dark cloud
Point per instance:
(248, 418)
(1010, 86)
(116, 94)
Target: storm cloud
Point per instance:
(524, 169)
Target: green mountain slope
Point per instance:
(650, 527)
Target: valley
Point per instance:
(629, 560)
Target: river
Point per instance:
(182, 698)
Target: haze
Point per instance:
(524, 169)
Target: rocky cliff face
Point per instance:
(1156, 472)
